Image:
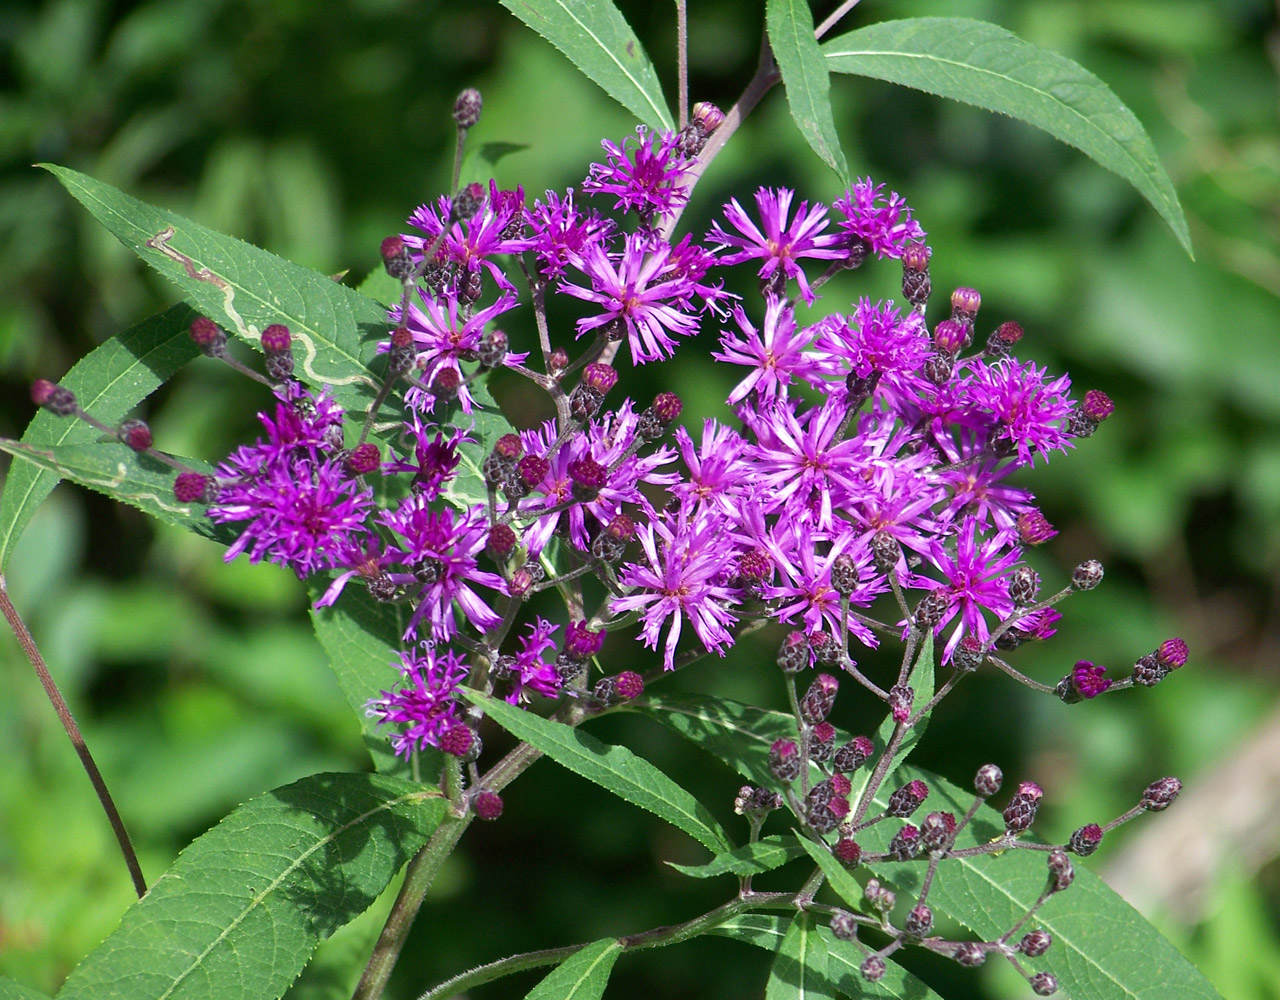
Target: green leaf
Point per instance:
(842, 883)
(363, 637)
(982, 64)
(750, 859)
(613, 768)
(597, 39)
(244, 289)
(581, 976)
(767, 931)
(481, 161)
(123, 474)
(1103, 949)
(108, 382)
(806, 76)
(242, 908)
(11, 990)
(799, 971)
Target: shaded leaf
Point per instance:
(108, 382)
(240, 911)
(12, 990)
(597, 39)
(123, 474)
(842, 883)
(985, 65)
(750, 859)
(799, 971)
(581, 976)
(244, 289)
(805, 75)
(613, 768)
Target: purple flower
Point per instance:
(623, 289)
(685, 563)
(560, 231)
(646, 173)
(805, 589)
(717, 474)
(875, 338)
(470, 243)
(426, 705)
(435, 460)
(441, 552)
(366, 557)
(884, 226)
(1030, 411)
(532, 672)
(781, 243)
(774, 355)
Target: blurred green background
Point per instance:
(314, 129)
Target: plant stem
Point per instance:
(59, 703)
(682, 59)
(833, 18)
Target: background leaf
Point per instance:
(581, 976)
(243, 907)
(799, 971)
(11, 990)
(597, 39)
(613, 768)
(763, 855)
(806, 76)
(982, 64)
(108, 383)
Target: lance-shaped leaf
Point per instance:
(581, 976)
(597, 39)
(799, 970)
(11, 990)
(805, 75)
(750, 859)
(982, 64)
(842, 883)
(243, 288)
(363, 637)
(108, 382)
(767, 931)
(613, 768)
(1102, 947)
(126, 475)
(240, 911)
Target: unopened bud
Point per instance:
(901, 698)
(1044, 984)
(1159, 795)
(1034, 528)
(793, 654)
(1035, 943)
(396, 258)
(988, 780)
(192, 487)
(784, 760)
(1087, 575)
(1061, 872)
(872, 968)
(277, 345)
(907, 799)
(136, 434)
(1085, 840)
(916, 285)
(53, 397)
(467, 108)
(919, 921)
(854, 754)
(493, 349)
(843, 926)
(488, 805)
(363, 458)
(206, 335)
(816, 704)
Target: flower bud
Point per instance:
(1061, 872)
(557, 361)
(916, 285)
(1172, 653)
(467, 107)
(907, 799)
(588, 478)
(931, 607)
(1035, 943)
(756, 802)
(707, 115)
(937, 831)
(465, 205)
(988, 780)
(1086, 680)
(886, 551)
(1021, 810)
(1044, 984)
(905, 844)
(848, 852)
(53, 397)
(919, 921)
(192, 487)
(969, 654)
(609, 545)
(488, 805)
(493, 349)
(1085, 840)
(530, 472)
(844, 574)
(938, 368)
(206, 336)
(457, 739)
(1087, 575)
(136, 434)
(854, 754)
(964, 305)
(1159, 795)
(794, 653)
(396, 258)
(969, 954)
(1001, 342)
(949, 336)
(277, 345)
(580, 643)
(1034, 528)
(784, 760)
(502, 541)
(628, 685)
(500, 464)
(872, 968)
(816, 704)
(878, 897)
(901, 697)
(843, 926)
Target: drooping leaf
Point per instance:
(1102, 947)
(750, 859)
(799, 970)
(985, 65)
(362, 637)
(767, 931)
(244, 289)
(613, 768)
(108, 382)
(581, 976)
(123, 474)
(240, 911)
(805, 75)
(597, 39)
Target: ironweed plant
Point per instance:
(862, 487)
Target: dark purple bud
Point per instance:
(206, 336)
(276, 339)
(53, 397)
(931, 607)
(467, 107)
(949, 336)
(969, 954)
(844, 574)
(488, 805)
(363, 458)
(886, 551)
(396, 258)
(969, 654)
(937, 831)
(784, 760)
(707, 115)
(584, 402)
(905, 844)
(916, 285)
(466, 203)
(843, 926)
(1061, 872)
(558, 361)
(628, 685)
(822, 742)
(588, 477)
(938, 368)
(816, 704)
(847, 852)
(580, 643)
(1148, 671)
(1097, 405)
(1172, 653)
(136, 434)
(872, 968)
(901, 698)
(1002, 341)
(756, 802)
(655, 420)
(1021, 810)
(1087, 575)
(878, 897)
(1085, 840)
(854, 754)
(403, 351)
(826, 649)
(907, 799)
(1035, 943)
(988, 780)
(1034, 528)
(509, 447)
(457, 739)
(502, 541)
(493, 349)
(1024, 586)
(1087, 680)
(1044, 984)
(192, 487)
(754, 566)
(919, 921)
(794, 653)
(1159, 795)
(532, 470)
